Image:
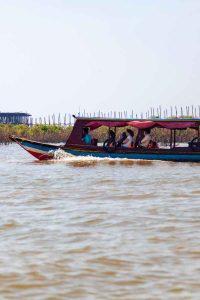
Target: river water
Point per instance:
(83, 228)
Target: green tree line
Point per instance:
(57, 134)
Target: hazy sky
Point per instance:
(62, 55)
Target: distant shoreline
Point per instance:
(42, 133)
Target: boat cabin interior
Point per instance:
(116, 128)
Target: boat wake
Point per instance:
(84, 161)
(60, 154)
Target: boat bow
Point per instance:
(41, 151)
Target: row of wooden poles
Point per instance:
(172, 112)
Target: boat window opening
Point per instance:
(99, 135)
(102, 134)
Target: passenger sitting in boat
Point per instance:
(87, 139)
(146, 139)
(109, 143)
(111, 137)
(122, 139)
(128, 142)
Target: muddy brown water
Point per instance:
(82, 228)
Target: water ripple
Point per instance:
(85, 228)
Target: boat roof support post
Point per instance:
(171, 138)
(174, 138)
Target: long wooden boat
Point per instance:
(76, 146)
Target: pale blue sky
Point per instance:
(62, 55)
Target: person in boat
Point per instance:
(87, 139)
(146, 139)
(110, 142)
(111, 137)
(121, 139)
(129, 142)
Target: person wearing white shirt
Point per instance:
(128, 142)
(146, 139)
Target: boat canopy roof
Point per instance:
(94, 123)
(144, 124)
